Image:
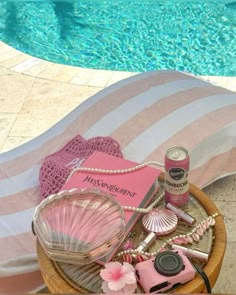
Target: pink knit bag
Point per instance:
(56, 167)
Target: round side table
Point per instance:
(56, 283)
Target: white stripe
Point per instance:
(19, 265)
(16, 223)
(165, 128)
(171, 124)
(60, 127)
(220, 142)
(133, 106)
(103, 127)
(14, 184)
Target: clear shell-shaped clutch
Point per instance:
(160, 221)
(79, 226)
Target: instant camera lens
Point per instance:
(168, 263)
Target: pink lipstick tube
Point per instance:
(191, 253)
(181, 214)
(147, 242)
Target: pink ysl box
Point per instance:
(135, 188)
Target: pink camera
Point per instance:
(167, 270)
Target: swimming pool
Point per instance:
(138, 35)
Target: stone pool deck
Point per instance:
(35, 94)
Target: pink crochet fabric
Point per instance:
(56, 167)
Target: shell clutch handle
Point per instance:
(79, 226)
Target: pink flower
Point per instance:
(118, 278)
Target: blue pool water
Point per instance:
(139, 35)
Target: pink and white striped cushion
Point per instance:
(146, 114)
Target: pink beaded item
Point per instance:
(191, 237)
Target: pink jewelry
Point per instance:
(145, 210)
(191, 237)
(117, 171)
(122, 171)
(128, 244)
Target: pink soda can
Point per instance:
(176, 176)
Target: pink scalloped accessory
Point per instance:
(56, 167)
(161, 221)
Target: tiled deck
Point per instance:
(35, 94)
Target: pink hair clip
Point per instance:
(118, 278)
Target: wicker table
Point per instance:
(56, 283)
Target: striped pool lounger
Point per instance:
(146, 114)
